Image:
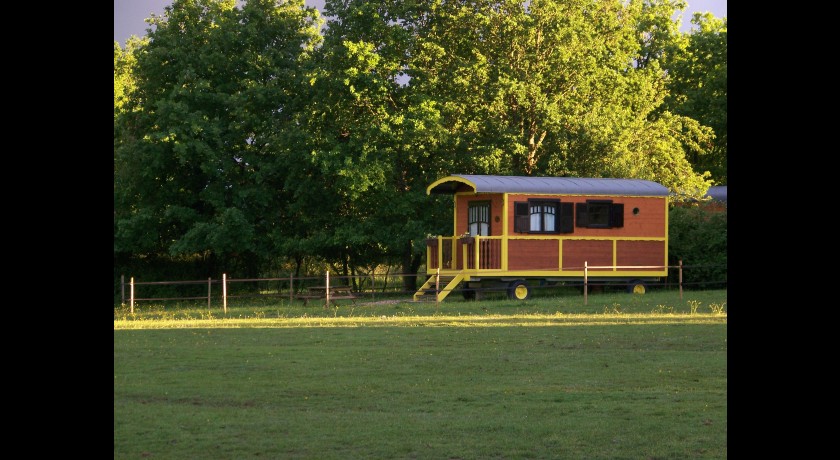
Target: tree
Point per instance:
(366, 145)
(554, 87)
(243, 136)
(125, 61)
(697, 88)
(196, 173)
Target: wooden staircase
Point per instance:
(447, 284)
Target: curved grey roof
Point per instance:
(547, 185)
(717, 192)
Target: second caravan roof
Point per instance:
(546, 185)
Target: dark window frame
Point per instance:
(478, 204)
(554, 204)
(563, 216)
(613, 214)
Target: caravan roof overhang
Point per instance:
(546, 185)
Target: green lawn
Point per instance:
(635, 377)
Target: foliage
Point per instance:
(366, 145)
(196, 172)
(125, 61)
(697, 88)
(552, 87)
(697, 236)
(658, 34)
(247, 139)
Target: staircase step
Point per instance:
(445, 284)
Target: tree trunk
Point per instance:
(298, 264)
(410, 263)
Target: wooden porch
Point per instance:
(545, 255)
(479, 252)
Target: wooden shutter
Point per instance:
(581, 219)
(567, 211)
(521, 218)
(617, 215)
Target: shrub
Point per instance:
(697, 236)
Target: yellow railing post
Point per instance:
(439, 250)
(476, 249)
(464, 253)
(453, 253)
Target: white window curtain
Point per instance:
(549, 218)
(536, 215)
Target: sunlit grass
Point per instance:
(694, 307)
(427, 321)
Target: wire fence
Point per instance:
(391, 286)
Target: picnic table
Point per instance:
(321, 292)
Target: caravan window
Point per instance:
(542, 216)
(600, 214)
(479, 218)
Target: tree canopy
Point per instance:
(697, 88)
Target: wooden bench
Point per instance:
(320, 292)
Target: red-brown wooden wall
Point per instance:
(543, 254)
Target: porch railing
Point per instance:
(450, 253)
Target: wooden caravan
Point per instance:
(519, 232)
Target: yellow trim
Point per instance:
(468, 274)
(477, 252)
(454, 214)
(429, 258)
(440, 251)
(581, 238)
(449, 179)
(560, 255)
(665, 262)
(464, 263)
(505, 235)
(444, 290)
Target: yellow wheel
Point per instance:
(637, 287)
(518, 290)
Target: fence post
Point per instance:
(224, 291)
(122, 288)
(585, 282)
(373, 286)
(209, 287)
(437, 287)
(327, 291)
(132, 295)
(291, 287)
(681, 280)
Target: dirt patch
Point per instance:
(385, 302)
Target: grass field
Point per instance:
(624, 377)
